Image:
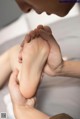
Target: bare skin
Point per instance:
(24, 108)
(60, 9)
(55, 65)
(62, 68)
(54, 62)
(36, 51)
(34, 55)
(10, 58)
(21, 105)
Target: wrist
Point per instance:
(19, 110)
(22, 112)
(65, 69)
(60, 69)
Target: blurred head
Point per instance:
(48, 6)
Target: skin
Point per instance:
(55, 65)
(60, 9)
(23, 108)
(21, 105)
(30, 70)
(51, 7)
(54, 62)
(37, 51)
(62, 68)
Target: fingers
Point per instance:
(29, 37)
(46, 33)
(43, 31)
(26, 40)
(32, 34)
(40, 27)
(46, 28)
(48, 37)
(13, 77)
(20, 55)
(16, 96)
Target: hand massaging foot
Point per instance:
(34, 56)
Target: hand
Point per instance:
(30, 36)
(16, 96)
(26, 40)
(23, 108)
(55, 62)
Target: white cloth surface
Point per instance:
(58, 94)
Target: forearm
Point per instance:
(5, 68)
(8, 62)
(29, 113)
(13, 53)
(70, 68)
(32, 113)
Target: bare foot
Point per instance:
(34, 55)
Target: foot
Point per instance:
(34, 55)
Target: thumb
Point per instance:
(48, 29)
(26, 40)
(13, 82)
